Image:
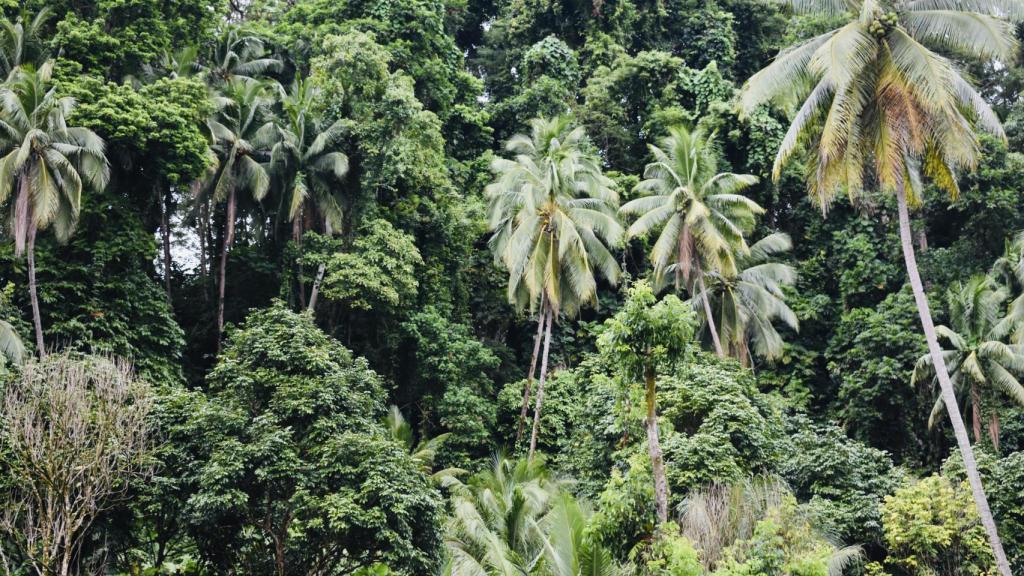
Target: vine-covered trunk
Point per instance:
(540, 383)
(654, 447)
(533, 369)
(948, 394)
(229, 236)
(37, 319)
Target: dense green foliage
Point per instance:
(576, 247)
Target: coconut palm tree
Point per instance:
(44, 168)
(552, 212)
(495, 525)
(1008, 270)
(307, 159)
(568, 549)
(237, 56)
(424, 452)
(239, 127)
(21, 41)
(747, 300)
(514, 519)
(975, 356)
(876, 95)
(700, 213)
(11, 348)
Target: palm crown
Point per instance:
(874, 90)
(49, 161)
(239, 133)
(553, 216)
(304, 154)
(702, 216)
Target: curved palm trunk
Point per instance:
(948, 395)
(37, 318)
(683, 268)
(533, 369)
(229, 237)
(715, 339)
(540, 383)
(320, 271)
(654, 447)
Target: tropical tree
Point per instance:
(975, 356)
(239, 128)
(641, 336)
(552, 212)
(876, 95)
(306, 158)
(45, 166)
(747, 300)
(21, 41)
(702, 216)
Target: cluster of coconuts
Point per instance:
(881, 25)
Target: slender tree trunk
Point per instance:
(201, 232)
(976, 413)
(654, 447)
(948, 395)
(320, 271)
(533, 369)
(229, 236)
(297, 223)
(540, 383)
(993, 430)
(37, 318)
(165, 234)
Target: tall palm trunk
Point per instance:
(654, 447)
(533, 369)
(37, 318)
(948, 395)
(540, 384)
(320, 271)
(297, 223)
(229, 236)
(165, 235)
